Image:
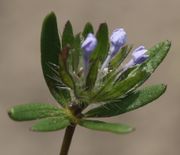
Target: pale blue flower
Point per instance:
(89, 44)
(118, 39)
(139, 55)
(88, 47)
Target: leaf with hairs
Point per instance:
(34, 111)
(50, 49)
(133, 101)
(105, 126)
(119, 89)
(51, 124)
(156, 56)
(119, 57)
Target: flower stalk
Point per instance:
(67, 139)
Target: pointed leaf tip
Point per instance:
(50, 48)
(67, 36)
(51, 14)
(102, 48)
(88, 28)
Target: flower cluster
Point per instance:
(118, 39)
(108, 85)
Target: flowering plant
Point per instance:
(86, 69)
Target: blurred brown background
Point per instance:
(21, 81)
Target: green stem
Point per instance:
(67, 139)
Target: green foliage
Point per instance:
(76, 52)
(113, 92)
(67, 37)
(64, 74)
(98, 55)
(129, 103)
(87, 29)
(50, 49)
(102, 48)
(106, 127)
(91, 77)
(119, 57)
(51, 124)
(156, 56)
(34, 111)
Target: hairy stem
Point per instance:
(67, 139)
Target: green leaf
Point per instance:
(51, 124)
(87, 29)
(34, 111)
(102, 48)
(67, 37)
(119, 57)
(50, 49)
(76, 53)
(106, 127)
(115, 64)
(98, 55)
(65, 76)
(92, 75)
(63, 97)
(156, 56)
(119, 89)
(131, 102)
(126, 73)
(67, 44)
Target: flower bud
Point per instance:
(89, 44)
(88, 47)
(118, 39)
(138, 56)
